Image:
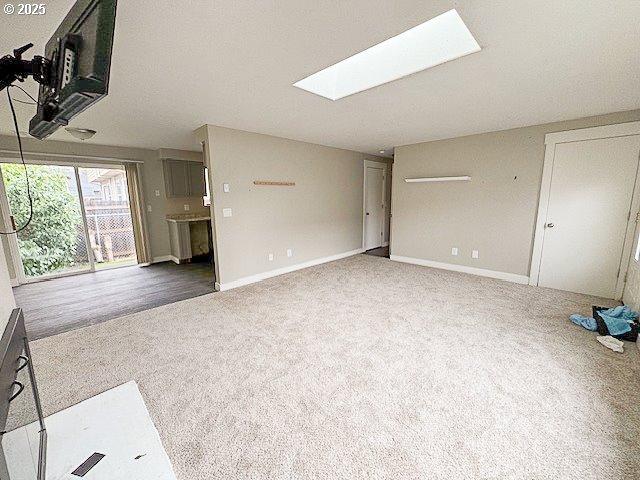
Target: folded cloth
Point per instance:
(586, 322)
(622, 312)
(618, 319)
(611, 343)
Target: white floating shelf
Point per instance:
(463, 178)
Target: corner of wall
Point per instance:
(7, 300)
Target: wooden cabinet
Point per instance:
(184, 179)
(184, 228)
(196, 179)
(176, 178)
(180, 240)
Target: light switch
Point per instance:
(186, 207)
(226, 212)
(289, 252)
(454, 251)
(149, 209)
(271, 257)
(157, 193)
(474, 254)
(225, 187)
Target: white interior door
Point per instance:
(374, 208)
(590, 199)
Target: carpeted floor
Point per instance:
(367, 369)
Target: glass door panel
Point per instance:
(54, 243)
(106, 204)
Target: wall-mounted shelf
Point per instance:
(277, 184)
(462, 178)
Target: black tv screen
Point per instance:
(79, 53)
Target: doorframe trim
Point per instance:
(85, 220)
(551, 140)
(385, 173)
(12, 238)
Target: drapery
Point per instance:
(137, 212)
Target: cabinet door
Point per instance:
(176, 178)
(180, 240)
(196, 177)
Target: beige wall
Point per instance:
(152, 180)
(494, 213)
(176, 205)
(4, 243)
(7, 302)
(319, 217)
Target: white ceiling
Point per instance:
(179, 65)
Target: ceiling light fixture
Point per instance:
(81, 133)
(436, 41)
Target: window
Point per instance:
(436, 41)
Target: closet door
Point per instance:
(589, 207)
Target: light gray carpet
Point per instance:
(367, 369)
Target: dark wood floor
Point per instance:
(378, 252)
(63, 304)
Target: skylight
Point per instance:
(436, 41)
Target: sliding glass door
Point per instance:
(105, 198)
(54, 242)
(81, 219)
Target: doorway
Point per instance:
(81, 219)
(587, 211)
(374, 206)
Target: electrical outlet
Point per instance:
(186, 207)
(226, 212)
(149, 209)
(289, 252)
(474, 254)
(454, 251)
(157, 193)
(271, 257)
(225, 187)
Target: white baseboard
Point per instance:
(385, 244)
(280, 271)
(14, 282)
(509, 277)
(165, 258)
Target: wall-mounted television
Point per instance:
(79, 60)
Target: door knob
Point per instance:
(549, 225)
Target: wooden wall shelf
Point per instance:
(276, 184)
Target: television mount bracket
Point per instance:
(13, 68)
